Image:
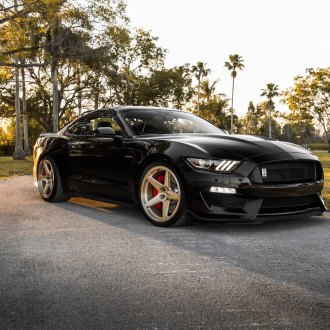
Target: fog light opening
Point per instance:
(223, 190)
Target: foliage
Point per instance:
(256, 121)
(234, 62)
(213, 107)
(200, 71)
(300, 133)
(83, 55)
(270, 92)
(309, 99)
(325, 160)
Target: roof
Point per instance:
(120, 108)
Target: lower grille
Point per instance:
(277, 205)
(224, 200)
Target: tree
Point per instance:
(19, 40)
(207, 89)
(214, 107)
(256, 121)
(18, 152)
(251, 121)
(300, 133)
(234, 62)
(309, 99)
(270, 92)
(200, 72)
(216, 111)
(26, 145)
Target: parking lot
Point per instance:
(92, 265)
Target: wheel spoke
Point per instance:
(167, 179)
(153, 201)
(154, 182)
(166, 206)
(173, 196)
(51, 184)
(46, 187)
(47, 171)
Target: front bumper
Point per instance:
(252, 202)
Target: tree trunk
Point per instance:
(270, 120)
(198, 95)
(232, 108)
(27, 149)
(79, 93)
(97, 92)
(96, 100)
(55, 96)
(18, 152)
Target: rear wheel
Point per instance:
(50, 182)
(162, 196)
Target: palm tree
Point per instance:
(270, 91)
(207, 89)
(200, 71)
(18, 152)
(27, 149)
(235, 62)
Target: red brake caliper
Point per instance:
(161, 180)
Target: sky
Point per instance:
(277, 39)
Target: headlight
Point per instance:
(221, 165)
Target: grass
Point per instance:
(10, 167)
(325, 159)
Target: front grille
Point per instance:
(287, 172)
(224, 200)
(287, 204)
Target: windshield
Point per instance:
(149, 121)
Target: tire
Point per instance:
(161, 195)
(49, 180)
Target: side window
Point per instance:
(115, 126)
(82, 127)
(89, 126)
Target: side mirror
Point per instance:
(106, 131)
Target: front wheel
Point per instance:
(49, 180)
(161, 195)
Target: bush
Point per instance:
(318, 146)
(7, 148)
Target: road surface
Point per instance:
(91, 265)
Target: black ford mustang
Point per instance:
(175, 166)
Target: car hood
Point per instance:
(237, 146)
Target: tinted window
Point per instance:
(89, 125)
(166, 122)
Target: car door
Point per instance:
(99, 162)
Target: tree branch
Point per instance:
(15, 51)
(27, 65)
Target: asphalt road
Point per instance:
(91, 265)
